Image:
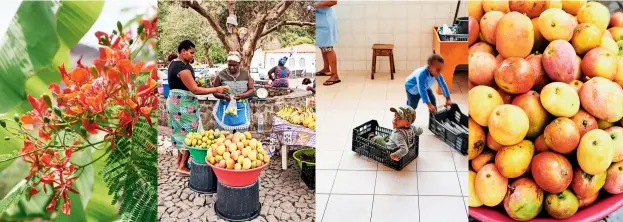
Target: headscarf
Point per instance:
(233, 56)
(282, 61)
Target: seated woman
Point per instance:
(241, 88)
(279, 74)
(312, 88)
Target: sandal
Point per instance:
(320, 73)
(331, 82)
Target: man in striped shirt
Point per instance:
(404, 133)
(419, 84)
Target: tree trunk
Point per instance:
(210, 61)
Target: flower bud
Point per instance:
(58, 112)
(47, 100)
(46, 119)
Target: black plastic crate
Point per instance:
(308, 175)
(451, 125)
(378, 152)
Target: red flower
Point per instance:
(150, 28)
(92, 128)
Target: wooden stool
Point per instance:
(383, 50)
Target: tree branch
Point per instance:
(220, 33)
(284, 23)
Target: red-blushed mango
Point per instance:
(496, 5)
(498, 60)
(584, 121)
(492, 144)
(482, 47)
(599, 62)
(616, 19)
(561, 205)
(490, 185)
(474, 31)
(595, 152)
(489, 24)
(507, 98)
(562, 135)
(560, 61)
(513, 161)
(616, 133)
(515, 75)
(482, 68)
(596, 13)
(477, 141)
(524, 199)
(586, 37)
(614, 180)
(618, 78)
(532, 8)
(538, 117)
(539, 41)
(603, 99)
(609, 44)
(475, 10)
(542, 79)
(470, 85)
(486, 157)
(508, 124)
(560, 99)
(540, 145)
(472, 199)
(514, 35)
(616, 33)
(551, 171)
(482, 100)
(572, 7)
(578, 68)
(585, 202)
(576, 84)
(556, 24)
(586, 185)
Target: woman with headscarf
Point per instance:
(326, 38)
(241, 88)
(279, 74)
(182, 104)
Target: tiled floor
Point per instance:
(351, 188)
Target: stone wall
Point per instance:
(267, 109)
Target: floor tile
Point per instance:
(348, 208)
(396, 183)
(328, 159)
(321, 204)
(438, 183)
(435, 161)
(466, 206)
(442, 208)
(463, 181)
(354, 182)
(353, 161)
(395, 209)
(325, 180)
(460, 161)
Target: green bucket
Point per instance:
(308, 151)
(198, 154)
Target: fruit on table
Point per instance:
(524, 199)
(586, 185)
(556, 24)
(616, 133)
(551, 171)
(614, 178)
(599, 62)
(476, 139)
(560, 61)
(584, 202)
(482, 69)
(515, 75)
(562, 135)
(488, 25)
(595, 152)
(497, 5)
(483, 159)
(490, 185)
(513, 161)
(472, 199)
(246, 153)
(540, 145)
(587, 36)
(475, 27)
(492, 144)
(508, 124)
(560, 99)
(532, 8)
(514, 35)
(298, 116)
(482, 100)
(538, 117)
(542, 78)
(561, 205)
(595, 13)
(602, 98)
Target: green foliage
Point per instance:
(131, 173)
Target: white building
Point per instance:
(304, 58)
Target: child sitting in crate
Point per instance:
(404, 133)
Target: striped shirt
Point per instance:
(403, 139)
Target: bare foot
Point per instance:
(183, 172)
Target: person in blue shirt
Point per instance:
(419, 84)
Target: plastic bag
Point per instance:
(232, 108)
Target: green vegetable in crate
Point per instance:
(380, 139)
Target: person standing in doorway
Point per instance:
(419, 84)
(326, 38)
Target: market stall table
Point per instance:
(291, 135)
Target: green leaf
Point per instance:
(84, 184)
(75, 18)
(12, 197)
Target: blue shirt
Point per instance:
(421, 80)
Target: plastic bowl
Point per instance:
(237, 178)
(307, 151)
(198, 154)
(595, 212)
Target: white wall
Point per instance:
(309, 65)
(406, 24)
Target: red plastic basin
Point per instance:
(237, 178)
(595, 212)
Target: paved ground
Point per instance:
(283, 195)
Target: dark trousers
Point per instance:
(413, 100)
